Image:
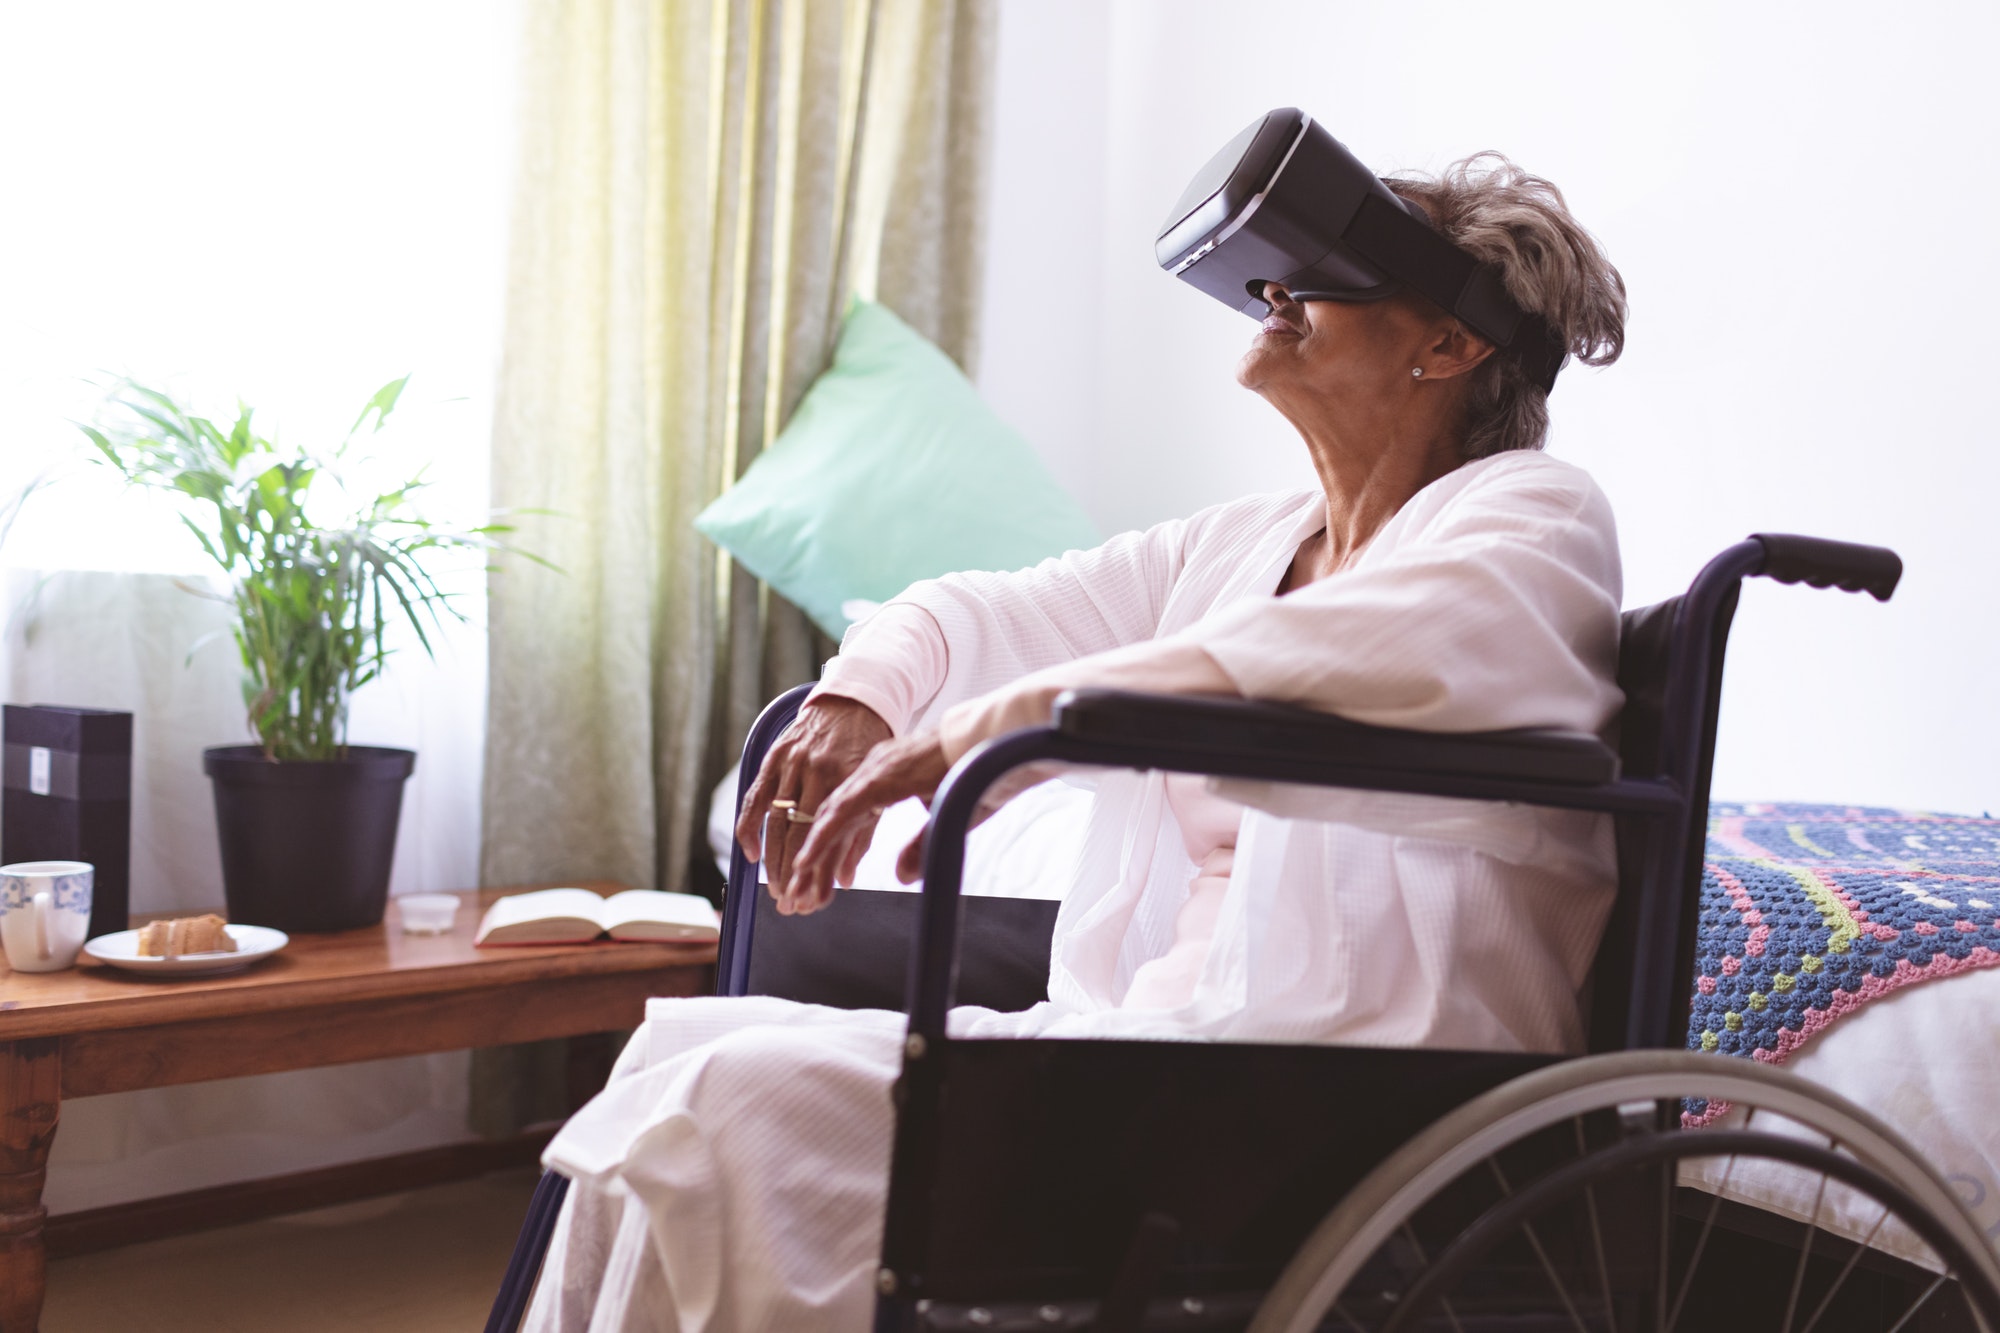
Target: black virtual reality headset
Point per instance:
(1284, 202)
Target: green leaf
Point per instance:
(382, 404)
(104, 445)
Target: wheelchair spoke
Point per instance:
(1805, 1250)
(1700, 1245)
(1596, 1232)
(1666, 1192)
(1911, 1313)
(1573, 1228)
(1541, 1255)
(1417, 1245)
(1846, 1268)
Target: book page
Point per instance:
(648, 914)
(546, 916)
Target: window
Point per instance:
(290, 203)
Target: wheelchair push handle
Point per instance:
(1822, 563)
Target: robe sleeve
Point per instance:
(892, 662)
(953, 638)
(1503, 613)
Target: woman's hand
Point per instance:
(844, 823)
(815, 755)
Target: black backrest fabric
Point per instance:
(855, 954)
(1644, 641)
(1644, 645)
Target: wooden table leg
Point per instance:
(30, 1096)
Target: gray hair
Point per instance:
(1550, 265)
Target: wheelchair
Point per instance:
(1063, 1184)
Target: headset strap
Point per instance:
(1411, 252)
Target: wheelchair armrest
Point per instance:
(1285, 736)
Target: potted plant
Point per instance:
(318, 578)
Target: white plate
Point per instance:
(121, 949)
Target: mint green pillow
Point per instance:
(892, 470)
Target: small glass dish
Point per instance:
(428, 913)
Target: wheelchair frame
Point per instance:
(945, 1165)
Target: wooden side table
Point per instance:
(326, 999)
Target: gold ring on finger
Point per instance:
(794, 815)
(784, 805)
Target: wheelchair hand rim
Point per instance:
(1677, 1146)
(1374, 1209)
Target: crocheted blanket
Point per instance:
(1808, 912)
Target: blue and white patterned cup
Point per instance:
(44, 913)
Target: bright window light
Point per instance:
(288, 203)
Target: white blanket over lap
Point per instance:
(749, 1138)
(731, 1176)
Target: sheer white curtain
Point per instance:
(293, 204)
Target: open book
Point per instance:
(570, 916)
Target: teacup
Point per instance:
(44, 913)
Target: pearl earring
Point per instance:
(1416, 372)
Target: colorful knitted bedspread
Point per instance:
(1808, 912)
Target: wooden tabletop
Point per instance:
(371, 963)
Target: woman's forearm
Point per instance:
(1160, 667)
(945, 640)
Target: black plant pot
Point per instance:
(307, 846)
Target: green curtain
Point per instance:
(702, 185)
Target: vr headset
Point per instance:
(1284, 202)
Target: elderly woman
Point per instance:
(1445, 575)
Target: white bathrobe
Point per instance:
(732, 1176)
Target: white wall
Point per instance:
(1799, 200)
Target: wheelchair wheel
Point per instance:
(1576, 1199)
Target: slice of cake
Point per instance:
(184, 935)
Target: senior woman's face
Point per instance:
(1325, 352)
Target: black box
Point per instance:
(68, 779)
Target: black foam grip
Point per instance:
(1829, 564)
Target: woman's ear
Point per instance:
(1456, 350)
